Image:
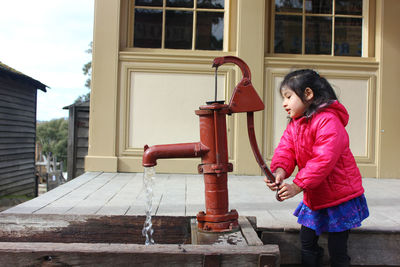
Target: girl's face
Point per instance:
(293, 104)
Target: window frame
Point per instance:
(194, 9)
(366, 34)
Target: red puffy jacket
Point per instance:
(319, 146)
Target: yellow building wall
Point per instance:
(149, 96)
(388, 52)
(103, 98)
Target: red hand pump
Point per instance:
(213, 149)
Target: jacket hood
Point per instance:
(337, 108)
(334, 107)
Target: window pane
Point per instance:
(319, 6)
(318, 35)
(288, 34)
(148, 2)
(210, 31)
(180, 3)
(288, 5)
(348, 37)
(178, 29)
(148, 28)
(349, 7)
(211, 4)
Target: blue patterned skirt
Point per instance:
(339, 218)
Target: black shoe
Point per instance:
(311, 258)
(343, 261)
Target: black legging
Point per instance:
(312, 253)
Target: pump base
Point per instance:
(218, 223)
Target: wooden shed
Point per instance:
(18, 98)
(78, 132)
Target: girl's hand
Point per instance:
(280, 175)
(287, 191)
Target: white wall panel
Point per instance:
(162, 105)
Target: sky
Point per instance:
(47, 40)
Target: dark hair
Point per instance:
(299, 80)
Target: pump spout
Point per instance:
(183, 150)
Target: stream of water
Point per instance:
(148, 181)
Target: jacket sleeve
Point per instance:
(284, 155)
(330, 141)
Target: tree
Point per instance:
(87, 68)
(87, 71)
(53, 137)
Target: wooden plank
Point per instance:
(79, 171)
(17, 162)
(94, 202)
(83, 114)
(251, 197)
(23, 183)
(16, 129)
(80, 164)
(18, 140)
(389, 211)
(246, 198)
(21, 150)
(16, 134)
(25, 188)
(9, 121)
(24, 105)
(15, 157)
(81, 152)
(51, 196)
(382, 251)
(82, 142)
(82, 132)
(22, 113)
(138, 206)
(228, 239)
(16, 167)
(194, 195)
(79, 254)
(71, 143)
(120, 203)
(11, 175)
(91, 228)
(6, 178)
(374, 249)
(18, 181)
(74, 197)
(17, 100)
(15, 89)
(15, 117)
(13, 145)
(248, 232)
(381, 219)
(173, 199)
(283, 219)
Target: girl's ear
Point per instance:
(309, 94)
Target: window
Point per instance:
(318, 27)
(178, 24)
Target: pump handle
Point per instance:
(256, 151)
(246, 99)
(235, 60)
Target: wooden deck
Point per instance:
(183, 195)
(376, 242)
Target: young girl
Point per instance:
(316, 141)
